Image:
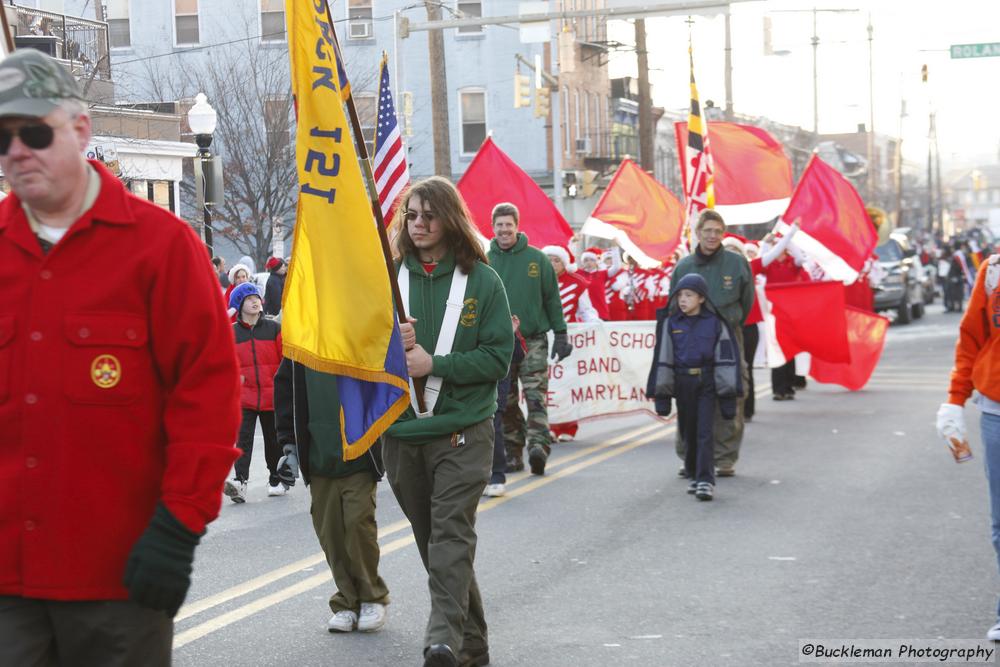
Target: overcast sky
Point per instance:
(965, 93)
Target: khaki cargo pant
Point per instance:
(343, 515)
(438, 486)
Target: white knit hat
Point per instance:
(562, 253)
(236, 268)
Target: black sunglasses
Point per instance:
(37, 136)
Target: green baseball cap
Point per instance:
(32, 84)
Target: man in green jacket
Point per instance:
(533, 291)
(439, 453)
(730, 288)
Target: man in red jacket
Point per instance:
(258, 348)
(118, 393)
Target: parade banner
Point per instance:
(606, 374)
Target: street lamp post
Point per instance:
(202, 119)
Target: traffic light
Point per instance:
(923, 73)
(522, 90)
(542, 101)
(588, 182)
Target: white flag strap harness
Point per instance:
(446, 339)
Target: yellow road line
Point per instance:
(240, 613)
(268, 578)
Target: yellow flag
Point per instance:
(338, 315)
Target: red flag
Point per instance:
(752, 176)
(866, 337)
(809, 317)
(836, 230)
(640, 214)
(696, 166)
(493, 178)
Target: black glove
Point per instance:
(663, 406)
(158, 572)
(561, 347)
(288, 465)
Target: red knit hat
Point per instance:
(274, 263)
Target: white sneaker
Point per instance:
(495, 490)
(372, 617)
(993, 633)
(237, 491)
(276, 490)
(342, 621)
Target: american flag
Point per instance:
(391, 172)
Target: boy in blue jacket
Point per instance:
(695, 362)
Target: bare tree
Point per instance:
(250, 88)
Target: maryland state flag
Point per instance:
(696, 170)
(338, 315)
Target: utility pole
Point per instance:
(925, 78)
(872, 182)
(815, 45)
(439, 93)
(729, 70)
(937, 178)
(645, 103)
(899, 165)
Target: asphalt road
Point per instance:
(847, 519)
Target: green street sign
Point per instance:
(985, 50)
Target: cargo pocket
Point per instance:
(6, 355)
(106, 362)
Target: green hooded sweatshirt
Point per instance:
(730, 282)
(532, 286)
(480, 355)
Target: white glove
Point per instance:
(951, 422)
(992, 274)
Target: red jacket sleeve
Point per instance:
(194, 350)
(973, 334)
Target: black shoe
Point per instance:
(536, 459)
(683, 473)
(693, 488)
(439, 655)
(474, 658)
(799, 383)
(705, 491)
(515, 464)
(782, 397)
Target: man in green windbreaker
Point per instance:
(439, 453)
(533, 291)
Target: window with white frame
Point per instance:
(368, 116)
(576, 109)
(473, 110)
(272, 21)
(567, 149)
(276, 125)
(119, 31)
(186, 22)
(470, 9)
(359, 19)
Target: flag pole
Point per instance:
(366, 169)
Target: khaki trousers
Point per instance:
(438, 486)
(343, 515)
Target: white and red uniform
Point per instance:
(574, 291)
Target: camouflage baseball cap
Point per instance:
(32, 84)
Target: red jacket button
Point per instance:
(29, 525)
(45, 274)
(30, 399)
(31, 462)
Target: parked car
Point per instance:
(901, 289)
(926, 272)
